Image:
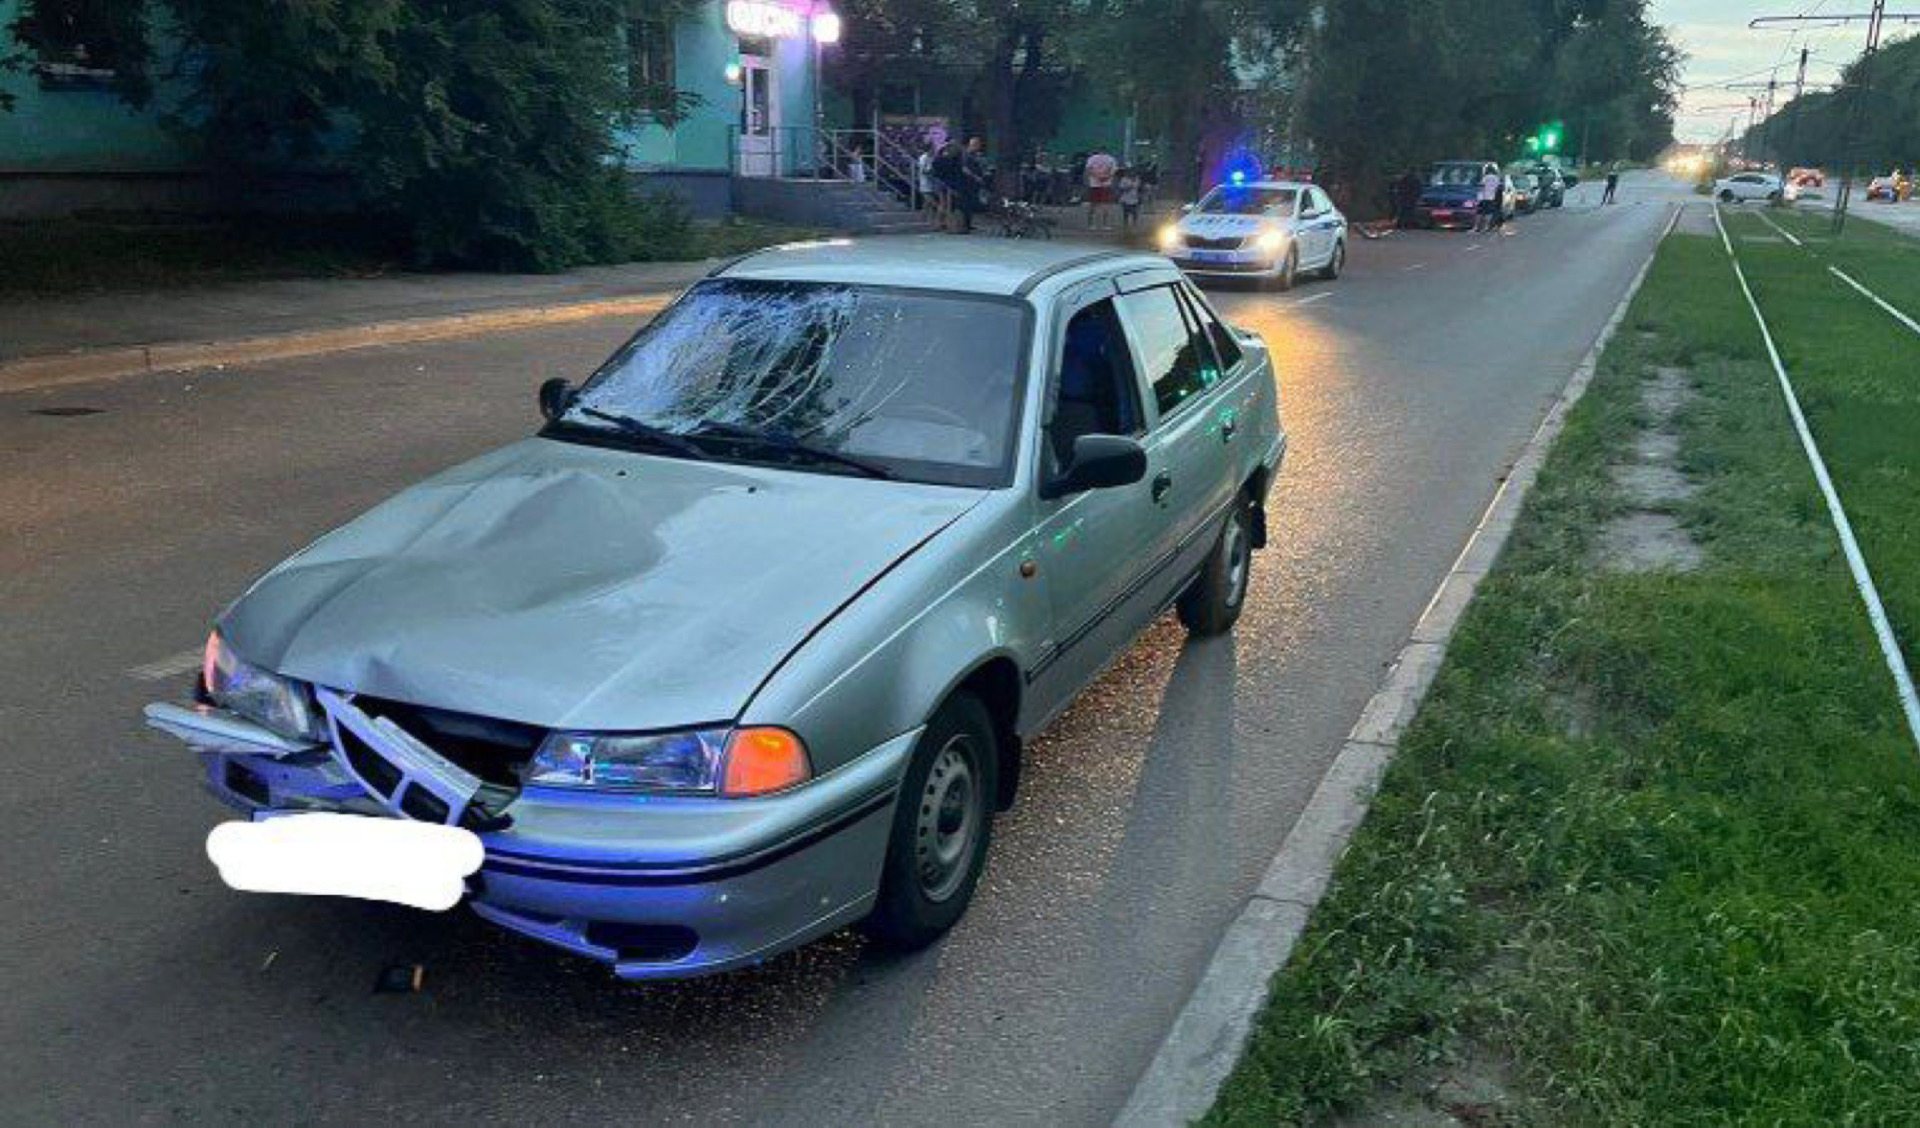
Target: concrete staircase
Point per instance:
(862, 208)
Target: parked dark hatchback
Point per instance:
(1452, 193)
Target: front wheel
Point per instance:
(1283, 279)
(1336, 261)
(1726, 196)
(942, 826)
(1211, 606)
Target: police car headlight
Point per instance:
(1170, 239)
(1270, 242)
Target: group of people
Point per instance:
(957, 183)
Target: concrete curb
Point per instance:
(59, 369)
(1193, 1061)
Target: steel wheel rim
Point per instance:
(948, 821)
(1238, 559)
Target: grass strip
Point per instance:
(1858, 373)
(1647, 854)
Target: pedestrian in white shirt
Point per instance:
(1487, 216)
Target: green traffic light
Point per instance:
(1550, 140)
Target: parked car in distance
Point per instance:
(1549, 187)
(1807, 179)
(1267, 230)
(1743, 186)
(1451, 197)
(1889, 189)
(742, 646)
(1520, 191)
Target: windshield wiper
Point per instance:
(782, 441)
(648, 433)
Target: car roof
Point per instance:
(1011, 267)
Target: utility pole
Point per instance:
(1861, 92)
(1799, 88)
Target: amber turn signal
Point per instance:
(763, 760)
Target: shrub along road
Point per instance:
(1647, 854)
(137, 986)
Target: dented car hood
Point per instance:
(570, 586)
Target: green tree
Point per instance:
(483, 131)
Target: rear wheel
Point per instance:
(1212, 604)
(942, 826)
(1726, 195)
(1335, 261)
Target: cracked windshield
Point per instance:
(921, 383)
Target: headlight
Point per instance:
(1170, 239)
(716, 761)
(260, 695)
(1270, 242)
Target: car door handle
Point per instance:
(1162, 482)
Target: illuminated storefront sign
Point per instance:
(760, 19)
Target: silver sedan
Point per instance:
(742, 646)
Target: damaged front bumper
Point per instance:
(657, 886)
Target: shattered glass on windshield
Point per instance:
(922, 383)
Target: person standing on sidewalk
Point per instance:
(950, 170)
(1486, 217)
(1613, 182)
(1100, 169)
(1128, 187)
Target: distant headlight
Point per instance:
(715, 761)
(1170, 239)
(1270, 242)
(281, 704)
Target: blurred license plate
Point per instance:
(1212, 256)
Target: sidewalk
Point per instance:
(46, 342)
(53, 326)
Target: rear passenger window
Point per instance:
(1171, 349)
(1224, 346)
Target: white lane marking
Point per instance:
(1784, 233)
(1856, 563)
(1415, 266)
(1473, 246)
(1309, 300)
(1875, 299)
(173, 665)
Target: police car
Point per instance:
(1268, 230)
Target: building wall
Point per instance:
(703, 48)
(79, 130)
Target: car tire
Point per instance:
(942, 827)
(1211, 604)
(1335, 261)
(1288, 273)
(1726, 196)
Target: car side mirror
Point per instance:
(1100, 462)
(556, 396)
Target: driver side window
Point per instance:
(1097, 392)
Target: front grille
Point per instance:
(1224, 243)
(493, 749)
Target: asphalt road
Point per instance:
(137, 987)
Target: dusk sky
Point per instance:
(1720, 47)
